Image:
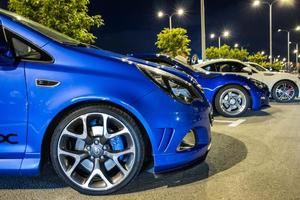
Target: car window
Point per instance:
(25, 50)
(230, 67)
(258, 68)
(210, 68)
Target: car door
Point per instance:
(13, 107)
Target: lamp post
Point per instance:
(203, 31)
(179, 12)
(296, 52)
(257, 3)
(288, 45)
(289, 42)
(225, 34)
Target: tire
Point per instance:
(232, 106)
(284, 92)
(87, 160)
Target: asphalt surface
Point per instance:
(257, 157)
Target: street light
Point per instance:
(180, 12)
(225, 34)
(296, 52)
(236, 45)
(257, 3)
(288, 44)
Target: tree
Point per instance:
(262, 60)
(258, 58)
(174, 42)
(65, 16)
(227, 52)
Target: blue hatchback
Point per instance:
(97, 116)
(232, 95)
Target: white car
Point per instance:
(284, 87)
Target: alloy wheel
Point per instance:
(96, 151)
(233, 102)
(285, 91)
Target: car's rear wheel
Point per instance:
(97, 150)
(284, 92)
(232, 101)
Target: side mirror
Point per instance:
(6, 57)
(247, 70)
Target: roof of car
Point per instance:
(9, 14)
(217, 61)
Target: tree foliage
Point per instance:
(241, 54)
(174, 42)
(264, 61)
(226, 52)
(66, 16)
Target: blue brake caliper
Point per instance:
(116, 143)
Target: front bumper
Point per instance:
(170, 122)
(260, 98)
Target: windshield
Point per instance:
(48, 32)
(258, 67)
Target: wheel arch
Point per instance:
(45, 148)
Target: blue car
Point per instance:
(97, 116)
(231, 95)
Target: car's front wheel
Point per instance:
(232, 101)
(284, 92)
(97, 150)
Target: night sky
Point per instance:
(132, 25)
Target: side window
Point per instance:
(223, 67)
(210, 68)
(25, 50)
(230, 67)
(237, 67)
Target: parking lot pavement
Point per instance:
(257, 158)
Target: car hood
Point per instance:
(282, 75)
(100, 53)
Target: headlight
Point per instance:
(174, 86)
(258, 83)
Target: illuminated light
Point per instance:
(226, 34)
(256, 3)
(180, 12)
(160, 14)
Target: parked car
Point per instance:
(96, 115)
(284, 87)
(231, 95)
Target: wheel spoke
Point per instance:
(121, 153)
(77, 156)
(98, 171)
(119, 133)
(122, 169)
(85, 126)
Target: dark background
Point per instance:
(132, 25)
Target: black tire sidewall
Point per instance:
(126, 119)
(221, 91)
